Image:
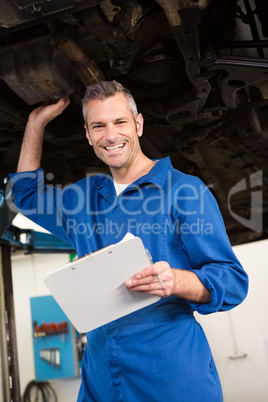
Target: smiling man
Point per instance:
(113, 128)
(160, 352)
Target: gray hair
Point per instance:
(105, 89)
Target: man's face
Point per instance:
(112, 131)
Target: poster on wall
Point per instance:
(54, 341)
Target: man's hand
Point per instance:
(161, 280)
(158, 279)
(43, 114)
(31, 149)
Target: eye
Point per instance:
(120, 122)
(97, 127)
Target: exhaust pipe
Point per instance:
(87, 70)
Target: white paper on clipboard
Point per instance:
(91, 290)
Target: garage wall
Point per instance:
(239, 338)
(28, 272)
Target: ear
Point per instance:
(88, 136)
(139, 124)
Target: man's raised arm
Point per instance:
(31, 149)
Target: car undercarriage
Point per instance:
(196, 68)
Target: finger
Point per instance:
(156, 269)
(62, 103)
(146, 273)
(65, 100)
(147, 288)
(152, 289)
(55, 109)
(143, 281)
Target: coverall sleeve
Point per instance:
(212, 258)
(48, 206)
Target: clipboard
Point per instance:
(91, 290)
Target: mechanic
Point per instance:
(160, 352)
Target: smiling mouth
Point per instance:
(114, 147)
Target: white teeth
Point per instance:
(118, 146)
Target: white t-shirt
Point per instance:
(120, 187)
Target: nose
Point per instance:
(110, 133)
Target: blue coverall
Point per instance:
(159, 353)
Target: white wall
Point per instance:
(238, 339)
(28, 272)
